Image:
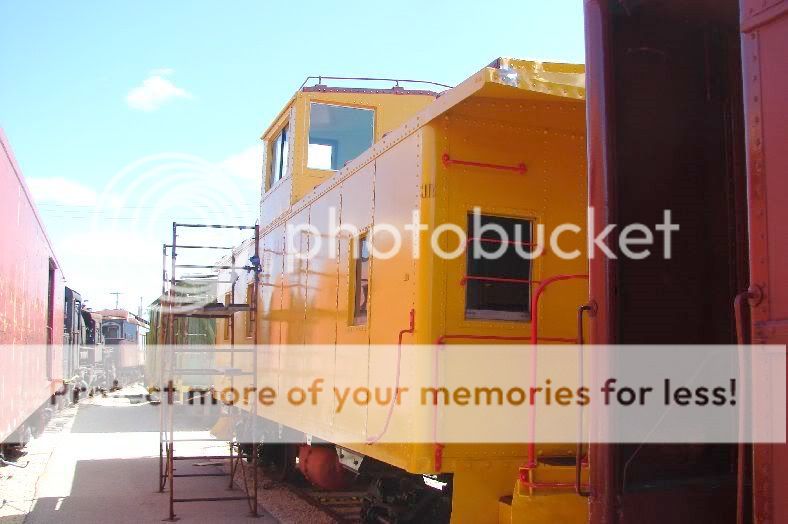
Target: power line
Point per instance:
(89, 206)
(71, 217)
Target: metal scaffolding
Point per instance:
(172, 309)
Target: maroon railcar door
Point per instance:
(764, 32)
(665, 132)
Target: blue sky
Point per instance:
(89, 88)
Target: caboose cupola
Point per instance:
(323, 128)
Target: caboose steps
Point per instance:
(546, 494)
(556, 470)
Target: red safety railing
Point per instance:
(534, 339)
(532, 463)
(525, 480)
(441, 340)
(410, 329)
(440, 343)
(499, 241)
(466, 278)
(519, 168)
(544, 284)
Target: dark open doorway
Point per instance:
(676, 141)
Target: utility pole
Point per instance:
(117, 297)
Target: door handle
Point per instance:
(752, 297)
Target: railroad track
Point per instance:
(342, 506)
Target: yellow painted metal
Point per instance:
(392, 109)
(518, 112)
(528, 506)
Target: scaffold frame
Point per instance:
(168, 349)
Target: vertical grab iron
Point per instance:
(591, 309)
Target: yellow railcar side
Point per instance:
(547, 133)
(517, 112)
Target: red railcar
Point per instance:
(31, 306)
(687, 110)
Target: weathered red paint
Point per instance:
(25, 258)
(602, 473)
(764, 28)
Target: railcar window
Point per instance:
(486, 297)
(130, 331)
(361, 282)
(111, 330)
(279, 151)
(338, 134)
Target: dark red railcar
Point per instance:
(31, 306)
(688, 111)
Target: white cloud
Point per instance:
(59, 190)
(226, 190)
(246, 164)
(155, 91)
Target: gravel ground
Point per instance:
(280, 501)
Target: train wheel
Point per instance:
(404, 500)
(278, 460)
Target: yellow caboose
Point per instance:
(508, 142)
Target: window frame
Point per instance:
(129, 334)
(308, 141)
(113, 325)
(493, 315)
(284, 155)
(356, 272)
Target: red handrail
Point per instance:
(519, 168)
(752, 297)
(410, 329)
(443, 338)
(534, 341)
(466, 278)
(525, 481)
(440, 342)
(537, 295)
(499, 241)
(534, 338)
